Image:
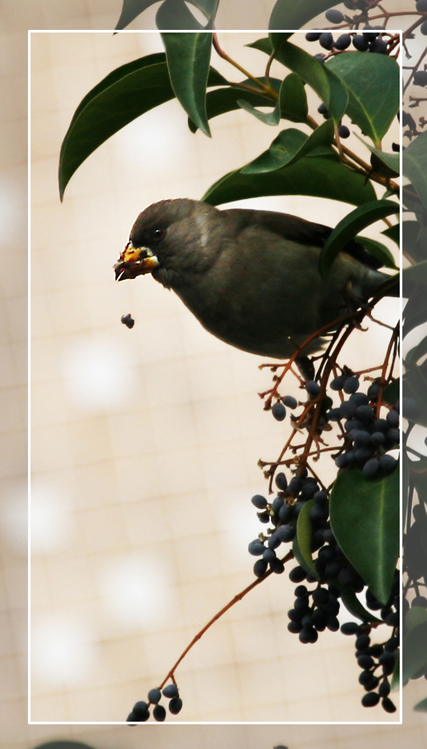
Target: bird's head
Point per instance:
(168, 239)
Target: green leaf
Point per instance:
(395, 677)
(289, 146)
(130, 10)
(303, 539)
(288, 14)
(353, 605)
(365, 522)
(393, 232)
(268, 118)
(323, 81)
(391, 393)
(318, 176)
(415, 386)
(373, 85)
(224, 100)
(378, 250)
(391, 161)
(293, 99)
(188, 57)
(421, 706)
(414, 652)
(350, 225)
(174, 14)
(122, 96)
(415, 616)
(414, 165)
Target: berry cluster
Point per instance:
(366, 440)
(141, 710)
(370, 40)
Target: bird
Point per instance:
(251, 277)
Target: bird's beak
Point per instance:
(135, 261)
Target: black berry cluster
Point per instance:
(377, 661)
(368, 438)
(370, 40)
(141, 710)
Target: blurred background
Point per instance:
(64, 615)
(145, 442)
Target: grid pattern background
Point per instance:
(17, 17)
(145, 443)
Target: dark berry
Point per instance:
(256, 548)
(362, 642)
(313, 36)
(342, 42)
(423, 28)
(295, 485)
(343, 131)
(360, 43)
(277, 505)
(154, 696)
(370, 699)
(290, 401)
(295, 627)
(326, 40)
(175, 705)
(313, 388)
(278, 411)
(128, 321)
(387, 463)
(277, 566)
(388, 705)
(334, 16)
(365, 661)
(297, 575)
(260, 568)
(301, 590)
(384, 689)
(371, 468)
(159, 713)
(421, 6)
(259, 502)
(308, 635)
(286, 533)
(350, 628)
(320, 597)
(170, 691)
(285, 513)
(141, 711)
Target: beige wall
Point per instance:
(17, 17)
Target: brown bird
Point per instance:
(251, 277)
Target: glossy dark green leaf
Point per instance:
(365, 522)
(378, 250)
(353, 605)
(390, 161)
(288, 14)
(268, 118)
(414, 165)
(391, 393)
(393, 232)
(421, 706)
(188, 57)
(414, 652)
(174, 14)
(289, 146)
(122, 96)
(395, 677)
(373, 85)
(223, 100)
(351, 225)
(130, 10)
(324, 82)
(293, 99)
(318, 176)
(416, 353)
(302, 540)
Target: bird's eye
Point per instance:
(158, 233)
